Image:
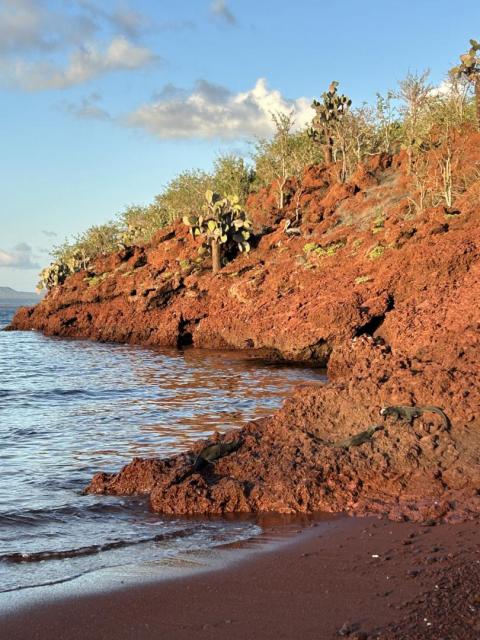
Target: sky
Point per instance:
(104, 101)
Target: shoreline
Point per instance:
(362, 577)
(273, 531)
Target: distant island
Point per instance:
(9, 296)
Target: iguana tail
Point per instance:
(441, 413)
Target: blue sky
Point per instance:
(104, 101)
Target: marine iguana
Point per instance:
(213, 452)
(210, 453)
(354, 441)
(358, 438)
(408, 414)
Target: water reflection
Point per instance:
(71, 408)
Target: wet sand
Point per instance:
(355, 578)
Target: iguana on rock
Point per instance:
(207, 455)
(213, 452)
(358, 438)
(408, 414)
(354, 441)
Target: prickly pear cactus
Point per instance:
(470, 68)
(224, 226)
(470, 61)
(57, 272)
(329, 112)
(53, 275)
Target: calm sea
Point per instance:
(69, 408)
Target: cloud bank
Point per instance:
(43, 49)
(212, 111)
(20, 257)
(28, 26)
(84, 64)
(88, 108)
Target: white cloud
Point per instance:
(451, 87)
(30, 26)
(130, 22)
(84, 64)
(220, 9)
(212, 111)
(43, 47)
(20, 257)
(87, 109)
(122, 19)
(21, 26)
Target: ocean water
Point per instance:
(69, 408)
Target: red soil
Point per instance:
(385, 296)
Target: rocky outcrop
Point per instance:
(384, 295)
(290, 462)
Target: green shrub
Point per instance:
(378, 223)
(78, 254)
(284, 156)
(184, 195)
(363, 279)
(317, 249)
(140, 223)
(232, 175)
(376, 252)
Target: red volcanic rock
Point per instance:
(289, 462)
(386, 296)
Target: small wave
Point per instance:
(46, 395)
(40, 556)
(50, 583)
(64, 513)
(24, 432)
(12, 393)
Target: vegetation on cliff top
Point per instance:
(416, 117)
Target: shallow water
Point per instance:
(69, 408)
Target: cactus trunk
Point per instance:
(216, 261)
(329, 151)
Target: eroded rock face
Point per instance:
(387, 297)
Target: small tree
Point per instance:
(272, 156)
(388, 127)
(469, 67)
(140, 223)
(454, 103)
(330, 112)
(356, 139)
(225, 228)
(232, 175)
(302, 154)
(98, 240)
(184, 194)
(448, 115)
(415, 92)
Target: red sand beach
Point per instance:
(354, 578)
